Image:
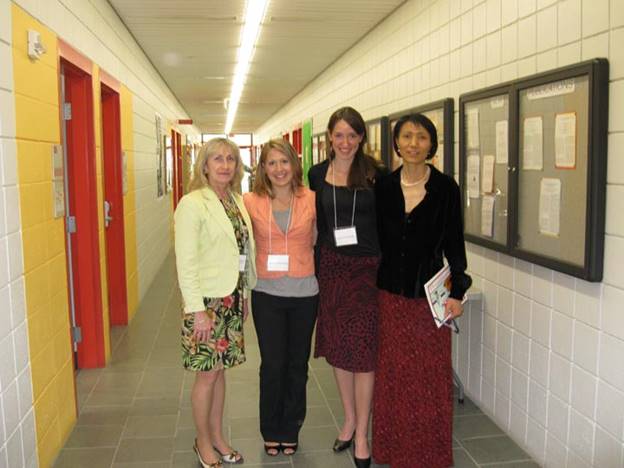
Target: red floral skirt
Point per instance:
(413, 399)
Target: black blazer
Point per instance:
(412, 245)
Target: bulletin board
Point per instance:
(545, 201)
(377, 139)
(484, 165)
(561, 175)
(441, 114)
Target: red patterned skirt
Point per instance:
(413, 399)
(346, 328)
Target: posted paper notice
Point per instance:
(472, 128)
(487, 216)
(565, 140)
(502, 142)
(549, 206)
(533, 144)
(487, 182)
(474, 162)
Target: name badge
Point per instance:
(242, 262)
(277, 263)
(345, 236)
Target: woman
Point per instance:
(346, 333)
(214, 256)
(419, 215)
(285, 298)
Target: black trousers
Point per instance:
(284, 327)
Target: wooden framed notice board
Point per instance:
(441, 114)
(533, 158)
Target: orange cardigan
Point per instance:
(300, 234)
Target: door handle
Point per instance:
(107, 217)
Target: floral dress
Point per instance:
(226, 346)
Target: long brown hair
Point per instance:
(262, 184)
(363, 167)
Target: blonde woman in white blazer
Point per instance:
(215, 255)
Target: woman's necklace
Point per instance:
(419, 181)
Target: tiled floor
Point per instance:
(135, 413)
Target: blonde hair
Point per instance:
(262, 183)
(200, 177)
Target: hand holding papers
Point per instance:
(438, 290)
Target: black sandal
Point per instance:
(272, 450)
(292, 448)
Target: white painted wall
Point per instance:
(17, 418)
(542, 353)
(93, 28)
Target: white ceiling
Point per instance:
(193, 44)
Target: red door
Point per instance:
(83, 257)
(113, 208)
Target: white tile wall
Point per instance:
(547, 29)
(609, 398)
(17, 433)
(556, 453)
(595, 18)
(608, 450)
(558, 415)
(569, 21)
(564, 384)
(581, 441)
(616, 13)
(585, 347)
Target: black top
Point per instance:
(412, 245)
(364, 219)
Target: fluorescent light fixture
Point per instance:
(251, 30)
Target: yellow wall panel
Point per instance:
(66, 405)
(35, 247)
(42, 372)
(33, 200)
(56, 239)
(57, 270)
(127, 145)
(36, 286)
(39, 80)
(47, 446)
(59, 320)
(40, 329)
(36, 160)
(29, 110)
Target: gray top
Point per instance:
(287, 286)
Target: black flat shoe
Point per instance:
(342, 445)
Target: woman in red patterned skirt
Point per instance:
(346, 330)
(419, 216)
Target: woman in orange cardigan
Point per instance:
(285, 298)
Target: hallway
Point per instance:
(135, 412)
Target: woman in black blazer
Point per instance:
(419, 221)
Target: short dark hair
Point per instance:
(424, 122)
